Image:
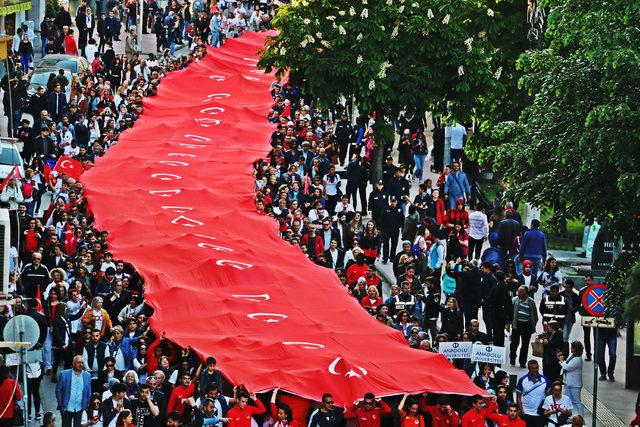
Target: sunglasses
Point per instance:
(330, 402)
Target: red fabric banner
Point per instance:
(70, 167)
(177, 197)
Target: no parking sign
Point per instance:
(593, 299)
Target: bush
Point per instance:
(51, 8)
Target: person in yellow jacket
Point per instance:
(97, 317)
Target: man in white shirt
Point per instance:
(457, 132)
(478, 231)
(531, 390)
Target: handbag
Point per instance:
(537, 347)
(18, 416)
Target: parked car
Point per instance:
(75, 64)
(40, 77)
(9, 157)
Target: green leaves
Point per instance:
(576, 141)
(390, 54)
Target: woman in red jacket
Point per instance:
(70, 46)
(458, 214)
(9, 394)
(412, 417)
(372, 301)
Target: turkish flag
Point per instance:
(70, 167)
(47, 170)
(39, 298)
(266, 330)
(15, 173)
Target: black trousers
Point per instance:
(34, 393)
(486, 316)
(498, 332)
(475, 248)
(520, 335)
(534, 420)
(69, 418)
(389, 243)
(470, 310)
(587, 340)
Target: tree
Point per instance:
(391, 55)
(578, 143)
(505, 101)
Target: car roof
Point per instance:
(5, 144)
(61, 57)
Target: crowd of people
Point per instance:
(90, 307)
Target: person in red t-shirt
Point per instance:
(442, 415)
(240, 415)
(368, 415)
(412, 418)
(510, 420)
(180, 394)
(477, 415)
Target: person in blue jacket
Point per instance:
(73, 393)
(456, 186)
(534, 247)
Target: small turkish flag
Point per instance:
(39, 298)
(70, 167)
(15, 173)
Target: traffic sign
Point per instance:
(593, 299)
(23, 329)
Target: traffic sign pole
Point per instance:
(594, 304)
(595, 376)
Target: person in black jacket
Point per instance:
(57, 102)
(500, 308)
(470, 285)
(377, 201)
(62, 342)
(392, 220)
(112, 406)
(488, 282)
(355, 176)
(343, 133)
(34, 275)
(62, 18)
(451, 318)
(431, 304)
(32, 311)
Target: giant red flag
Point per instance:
(180, 207)
(70, 167)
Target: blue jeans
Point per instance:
(215, 38)
(44, 40)
(607, 337)
(566, 330)
(573, 393)
(419, 161)
(172, 47)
